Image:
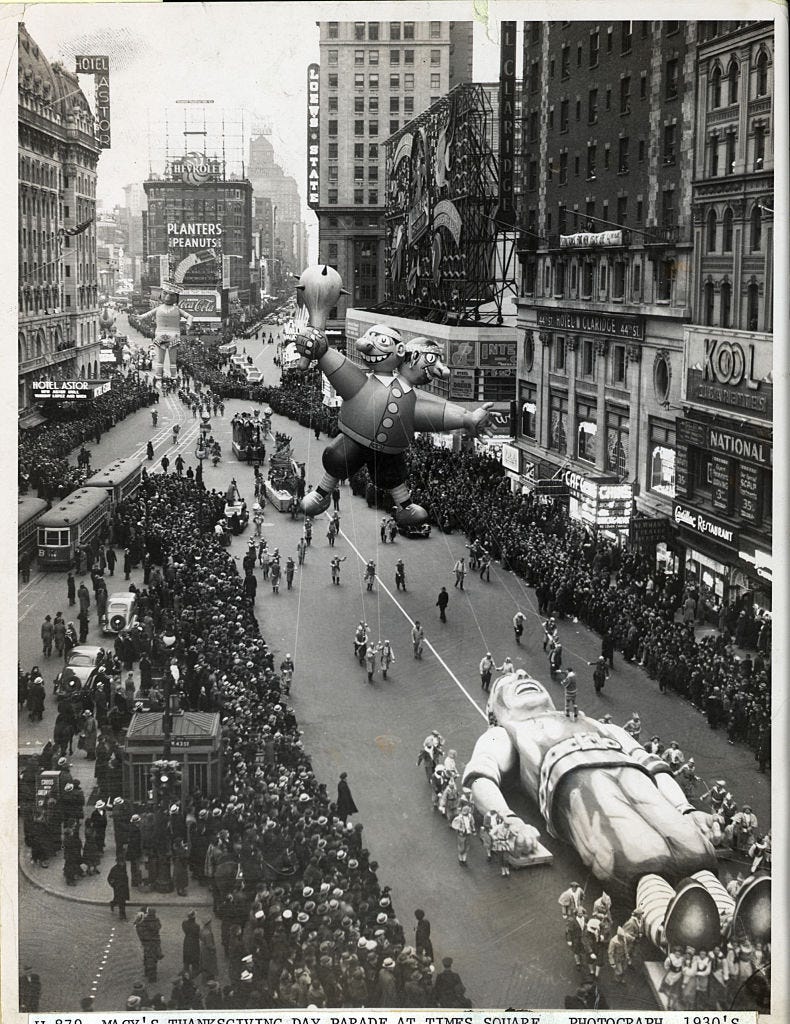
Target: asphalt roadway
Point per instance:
(505, 934)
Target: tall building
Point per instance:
(272, 186)
(606, 287)
(194, 211)
(374, 77)
(723, 469)
(131, 219)
(58, 331)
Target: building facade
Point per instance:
(278, 195)
(724, 462)
(58, 154)
(374, 77)
(608, 122)
(195, 210)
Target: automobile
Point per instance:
(228, 349)
(238, 360)
(81, 664)
(253, 375)
(416, 530)
(121, 612)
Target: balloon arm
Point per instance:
(344, 376)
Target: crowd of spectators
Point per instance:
(307, 923)
(43, 449)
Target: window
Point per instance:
(618, 284)
(579, 55)
(373, 127)
(626, 35)
(762, 74)
(331, 57)
(373, 82)
(565, 63)
(609, 39)
(668, 211)
(408, 57)
(373, 104)
(394, 81)
(752, 306)
(576, 166)
(725, 304)
(625, 95)
(578, 110)
(394, 56)
(359, 171)
(639, 210)
(726, 242)
(395, 30)
(608, 98)
(559, 279)
(408, 30)
(637, 279)
(373, 173)
(359, 29)
(533, 126)
(436, 30)
(714, 156)
(591, 151)
(715, 87)
(708, 303)
(332, 151)
(359, 195)
(408, 80)
(373, 151)
(394, 104)
(529, 418)
(670, 137)
(373, 30)
(558, 422)
(661, 453)
(558, 347)
(408, 104)
(666, 275)
(759, 147)
(359, 57)
(373, 197)
(373, 57)
(534, 76)
(756, 229)
(359, 80)
(592, 106)
(671, 79)
(332, 80)
(586, 430)
(332, 127)
(586, 364)
(732, 82)
(331, 32)
(332, 174)
(564, 116)
(331, 196)
(622, 156)
(617, 438)
(619, 363)
(359, 127)
(563, 168)
(532, 175)
(394, 126)
(729, 167)
(436, 81)
(436, 57)
(712, 224)
(594, 46)
(359, 104)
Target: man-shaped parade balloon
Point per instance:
(167, 333)
(381, 407)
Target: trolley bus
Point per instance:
(74, 523)
(29, 510)
(120, 479)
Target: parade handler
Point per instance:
(167, 334)
(381, 411)
(597, 788)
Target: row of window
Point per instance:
(359, 197)
(722, 151)
(371, 30)
(713, 236)
(585, 279)
(720, 313)
(395, 57)
(372, 83)
(373, 104)
(586, 220)
(362, 127)
(38, 300)
(723, 86)
(594, 47)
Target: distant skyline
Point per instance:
(163, 53)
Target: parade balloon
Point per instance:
(318, 290)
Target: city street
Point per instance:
(505, 934)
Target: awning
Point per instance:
(31, 419)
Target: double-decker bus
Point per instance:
(75, 522)
(120, 479)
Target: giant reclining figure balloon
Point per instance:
(619, 807)
(381, 408)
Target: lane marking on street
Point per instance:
(427, 643)
(105, 957)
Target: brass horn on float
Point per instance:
(318, 290)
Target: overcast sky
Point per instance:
(250, 59)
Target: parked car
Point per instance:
(253, 375)
(121, 612)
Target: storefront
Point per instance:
(602, 503)
(711, 549)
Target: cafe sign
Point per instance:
(600, 503)
(703, 525)
(730, 370)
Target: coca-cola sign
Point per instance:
(207, 302)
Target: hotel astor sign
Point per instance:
(577, 321)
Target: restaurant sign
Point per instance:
(577, 321)
(701, 524)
